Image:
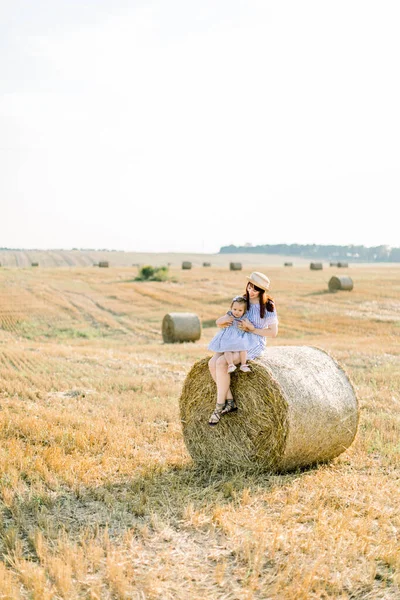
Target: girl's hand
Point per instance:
(246, 325)
(225, 321)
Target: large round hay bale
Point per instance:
(316, 266)
(288, 264)
(297, 407)
(235, 266)
(206, 264)
(340, 283)
(104, 264)
(186, 264)
(333, 264)
(181, 327)
(34, 264)
(343, 265)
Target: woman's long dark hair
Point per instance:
(266, 302)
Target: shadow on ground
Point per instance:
(318, 293)
(164, 494)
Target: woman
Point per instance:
(261, 320)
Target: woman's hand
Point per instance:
(225, 321)
(246, 325)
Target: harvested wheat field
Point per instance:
(100, 498)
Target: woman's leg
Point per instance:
(223, 378)
(219, 371)
(212, 365)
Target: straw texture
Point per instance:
(181, 327)
(340, 283)
(297, 407)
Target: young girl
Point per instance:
(232, 339)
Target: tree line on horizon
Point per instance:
(329, 252)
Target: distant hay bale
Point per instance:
(206, 264)
(181, 327)
(104, 264)
(235, 266)
(340, 283)
(34, 264)
(186, 264)
(288, 264)
(316, 266)
(297, 407)
(333, 264)
(343, 265)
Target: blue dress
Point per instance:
(233, 339)
(257, 342)
(253, 314)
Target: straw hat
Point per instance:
(260, 280)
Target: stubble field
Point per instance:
(99, 498)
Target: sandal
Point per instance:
(216, 415)
(245, 368)
(230, 406)
(231, 368)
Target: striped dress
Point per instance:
(253, 315)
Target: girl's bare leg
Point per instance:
(229, 360)
(229, 357)
(243, 362)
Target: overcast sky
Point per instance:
(185, 125)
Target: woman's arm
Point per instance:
(268, 331)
